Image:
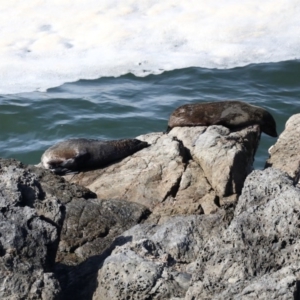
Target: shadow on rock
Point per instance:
(80, 282)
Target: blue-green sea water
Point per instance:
(128, 106)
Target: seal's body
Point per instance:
(75, 155)
(231, 114)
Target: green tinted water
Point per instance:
(112, 108)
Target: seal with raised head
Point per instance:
(75, 155)
(231, 114)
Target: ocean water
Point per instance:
(117, 69)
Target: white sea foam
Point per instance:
(45, 43)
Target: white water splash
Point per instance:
(45, 43)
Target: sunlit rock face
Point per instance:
(191, 170)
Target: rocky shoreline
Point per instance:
(186, 218)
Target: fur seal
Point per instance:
(231, 114)
(75, 155)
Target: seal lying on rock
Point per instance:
(75, 155)
(231, 114)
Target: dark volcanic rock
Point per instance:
(55, 185)
(29, 234)
(90, 228)
(53, 234)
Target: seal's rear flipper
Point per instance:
(64, 171)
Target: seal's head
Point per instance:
(268, 124)
(77, 155)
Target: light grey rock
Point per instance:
(264, 186)
(280, 284)
(153, 263)
(188, 135)
(190, 170)
(146, 177)
(226, 157)
(251, 253)
(262, 238)
(285, 155)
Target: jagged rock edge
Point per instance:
(186, 157)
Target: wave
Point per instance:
(47, 43)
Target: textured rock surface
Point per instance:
(146, 177)
(226, 157)
(90, 227)
(30, 223)
(252, 253)
(260, 245)
(43, 220)
(249, 250)
(191, 170)
(55, 185)
(285, 154)
(154, 263)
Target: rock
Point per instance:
(208, 203)
(285, 155)
(72, 245)
(30, 223)
(58, 241)
(152, 264)
(56, 185)
(141, 177)
(53, 237)
(188, 135)
(252, 253)
(226, 157)
(264, 186)
(188, 171)
(90, 227)
(260, 245)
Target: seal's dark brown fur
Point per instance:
(231, 114)
(76, 155)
